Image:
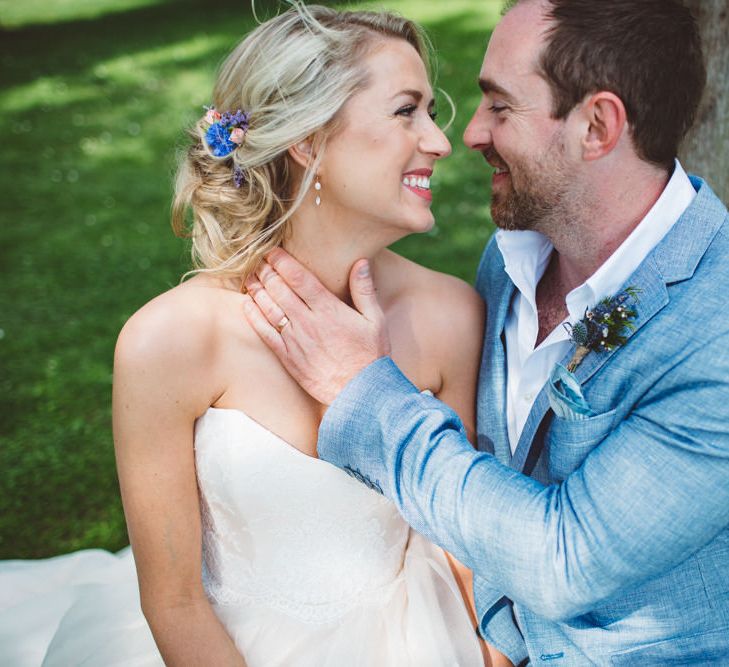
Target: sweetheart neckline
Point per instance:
(285, 443)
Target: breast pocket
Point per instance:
(568, 442)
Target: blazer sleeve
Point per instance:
(652, 493)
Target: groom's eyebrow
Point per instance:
(490, 87)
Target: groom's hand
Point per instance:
(320, 340)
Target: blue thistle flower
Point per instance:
(578, 332)
(603, 328)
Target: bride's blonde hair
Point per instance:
(292, 74)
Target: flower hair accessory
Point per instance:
(225, 133)
(603, 328)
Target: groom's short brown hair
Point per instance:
(647, 52)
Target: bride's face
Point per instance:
(377, 167)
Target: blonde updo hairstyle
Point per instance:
(292, 74)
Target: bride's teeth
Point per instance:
(422, 182)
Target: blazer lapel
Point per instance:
(492, 377)
(673, 260)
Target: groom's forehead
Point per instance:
(517, 40)
(512, 54)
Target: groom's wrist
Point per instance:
(355, 408)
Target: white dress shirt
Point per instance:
(526, 256)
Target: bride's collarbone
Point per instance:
(265, 393)
(254, 382)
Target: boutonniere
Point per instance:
(604, 327)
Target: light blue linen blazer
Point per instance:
(603, 540)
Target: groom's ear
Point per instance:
(605, 120)
(303, 153)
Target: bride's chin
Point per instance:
(423, 225)
(411, 226)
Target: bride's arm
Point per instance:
(457, 346)
(163, 379)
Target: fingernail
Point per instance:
(364, 270)
(270, 256)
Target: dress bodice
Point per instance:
(285, 529)
(303, 566)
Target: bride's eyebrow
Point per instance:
(416, 95)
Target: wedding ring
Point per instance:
(282, 323)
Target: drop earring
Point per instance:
(317, 187)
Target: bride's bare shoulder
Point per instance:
(185, 325)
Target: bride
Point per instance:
(248, 549)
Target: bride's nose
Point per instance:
(434, 142)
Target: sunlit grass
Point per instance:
(94, 100)
(18, 13)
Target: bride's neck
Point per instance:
(329, 242)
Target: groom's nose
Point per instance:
(478, 131)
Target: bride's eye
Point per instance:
(433, 114)
(407, 111)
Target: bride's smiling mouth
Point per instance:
(418, 182)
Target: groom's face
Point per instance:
(513, 126)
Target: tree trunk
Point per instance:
(705, 151)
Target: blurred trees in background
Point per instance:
(705, 151)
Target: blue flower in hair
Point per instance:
(227, 131)
(218, 138)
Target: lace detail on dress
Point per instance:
(288, 531)
(303, 565)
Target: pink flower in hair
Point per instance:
(212, 116)
(237, 136)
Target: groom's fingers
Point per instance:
(263, 328)
(270, 309)
(281, 293)
(306, 286)
(362, 289)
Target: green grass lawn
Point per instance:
(94, 97)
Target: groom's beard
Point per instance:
(535, 196)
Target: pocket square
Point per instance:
(565, 395)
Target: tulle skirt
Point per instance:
(83, 609)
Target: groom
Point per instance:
(595, 513)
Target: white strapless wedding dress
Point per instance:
(303, 565)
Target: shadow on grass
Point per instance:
(63, 48)
(95, 109)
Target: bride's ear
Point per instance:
(304, 152)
